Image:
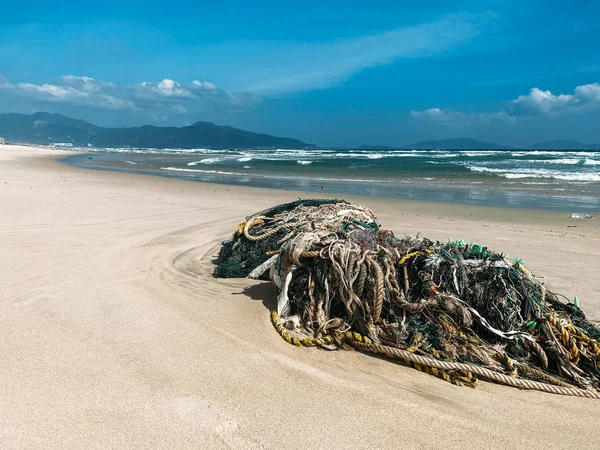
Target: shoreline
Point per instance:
(115, 334)
(446, 219)
(464, 210)
(468, 189)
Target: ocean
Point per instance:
(563, 180)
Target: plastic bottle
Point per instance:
(581, 216)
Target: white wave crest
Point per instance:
(181, 169)
(476, 153)
(538, 173)
(566, 161)
(206, 161)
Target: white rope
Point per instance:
(283, 302)
(256, 273)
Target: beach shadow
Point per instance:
(265, 292)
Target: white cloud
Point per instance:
(109, 102)
(205, 85)
(302, 67)
(584, 98)
(165, 88)
(181, 98)
(52, 92)
(430, 113)
(449, 117)
(79, 91)
(588, 92)
(438, 115)
(537, 102)
(540, 102)
(86, 84)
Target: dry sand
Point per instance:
(113, 334)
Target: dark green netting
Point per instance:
(239, 256)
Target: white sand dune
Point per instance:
(113, 334)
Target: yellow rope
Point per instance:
(568, 340)
(434, 366)
(255, 221)
(412, 255)
(305, 342)
(258, 221)
(466, 378)
(475, 369)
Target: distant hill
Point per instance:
(558, 144)
(456, 144)
(49, 128)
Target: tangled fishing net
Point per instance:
(456, 310)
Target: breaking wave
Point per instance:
(516, 173)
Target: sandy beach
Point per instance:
(114, 334)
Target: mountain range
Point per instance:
(49, 128)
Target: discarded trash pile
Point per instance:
(454, 310)
(246, 251)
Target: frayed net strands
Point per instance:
(455, 310)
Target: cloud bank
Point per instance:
(584, 98)
(439, 115)
(458, 119)
(152, 97)
(538, 102)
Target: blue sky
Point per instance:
(331, 73)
